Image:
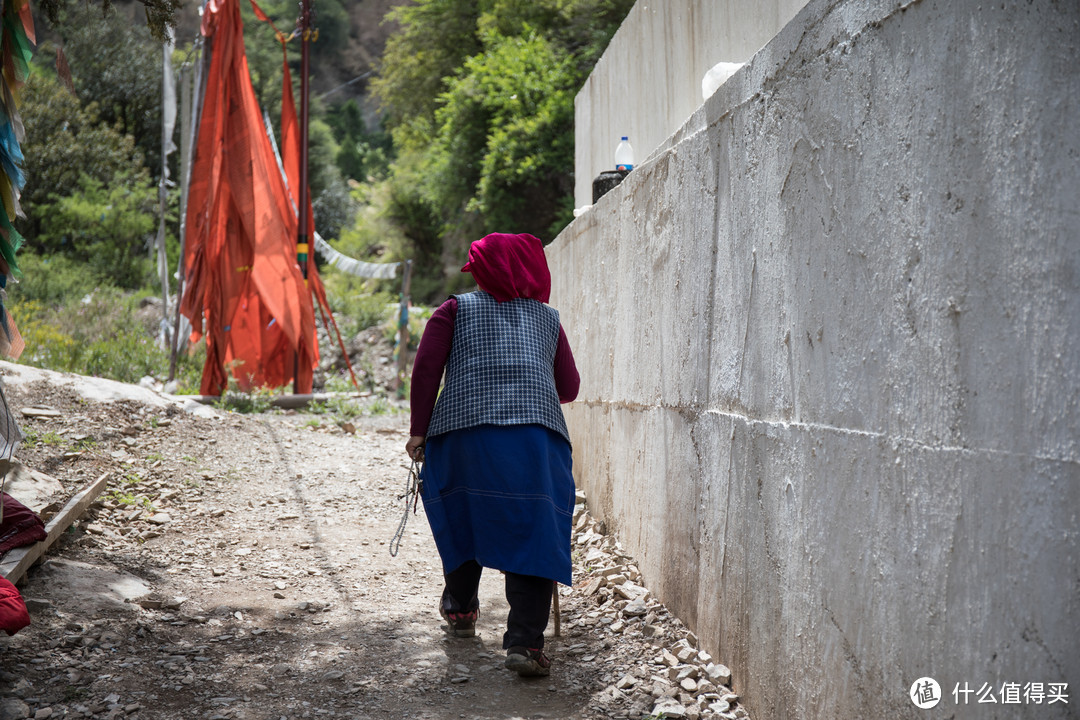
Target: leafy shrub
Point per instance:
(99, 335)
(259, 400)
(109, 226)
(49, 279)
(71, 153)
(354, 309)
(418, 317)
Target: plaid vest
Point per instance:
(501, 366)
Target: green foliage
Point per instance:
(339, 383)
(435, 37)
(479, 99)
(511, 107)
(344, 407)
(106, 228)
(160, 14)
(361, 310)
(418, 317)
(363, 155)
(71, 152)
(122, 77)
(332, 22)
(99, 335)
(129, 499)
(50, 438)
(380, 406)
(259, 400)
(332, 208)
(373, 236)
(48, 280)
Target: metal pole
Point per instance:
(302, 251)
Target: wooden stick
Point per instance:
(555, 609)
(19, 560)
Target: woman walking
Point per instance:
(497, 484)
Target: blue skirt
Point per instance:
(502, 496)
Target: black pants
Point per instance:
(529, 598)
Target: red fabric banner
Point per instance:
(245, 286)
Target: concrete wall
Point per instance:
(829, 338)
(648, 81)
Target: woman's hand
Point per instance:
(415, 448)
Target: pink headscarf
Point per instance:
(510, 266)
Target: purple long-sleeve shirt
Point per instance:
(434, 349)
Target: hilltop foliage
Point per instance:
(474, 133)
(479, 99)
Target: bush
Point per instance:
(48, 280)
(100, 335)
(354, 308)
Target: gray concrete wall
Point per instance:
(829, 338)
(648, 81)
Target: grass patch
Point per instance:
(100, 335)
(380, 406)
(130, 499)
(258, 400)
(33, 436)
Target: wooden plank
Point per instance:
(281, 401)
(18, 561)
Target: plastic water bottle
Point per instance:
(624, 155)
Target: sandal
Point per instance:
(528, 662)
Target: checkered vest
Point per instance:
(501, 366)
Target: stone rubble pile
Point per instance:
(655, 666)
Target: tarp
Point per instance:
(245, 287)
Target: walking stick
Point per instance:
(555, 608)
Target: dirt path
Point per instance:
(253, 552)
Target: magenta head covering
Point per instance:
(510, 266)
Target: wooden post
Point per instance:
(403, 328)
(303, 24)
(555, 609)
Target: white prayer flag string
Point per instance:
(378, 271)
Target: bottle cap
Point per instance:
(625, 138)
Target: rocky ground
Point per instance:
(238, 566)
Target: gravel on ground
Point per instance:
(238, 566)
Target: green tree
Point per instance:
(121, 76)
(66, 143)
(435, 38)
(362, 153)
(478, 95)
(106, 228)
(505, 143)
(160, 14)
(331, 202)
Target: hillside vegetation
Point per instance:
(444, 121)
